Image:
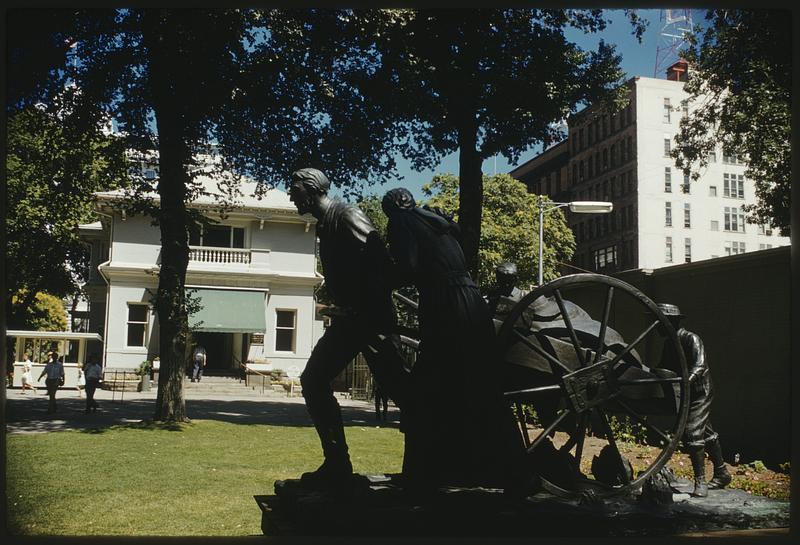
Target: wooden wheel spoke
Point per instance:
(536, 390)
(581, 431)
(613, 444)
(632, 345)
(601, 339)
(572, 335)
(643, 421)
(641, 381)
(523, 425)
(549, 430)
(539, 350)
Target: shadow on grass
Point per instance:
(23, 416)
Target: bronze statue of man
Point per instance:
(699, 437)
(505, 288)
(458, 429)
(353, 261)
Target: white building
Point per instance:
(660, 218)
(254, 272)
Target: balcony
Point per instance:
(219, 256)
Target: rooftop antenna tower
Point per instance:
(675, 24)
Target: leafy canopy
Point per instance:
(509, 227)
(740, 81)
(45, 313)
(55, 162)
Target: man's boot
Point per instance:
(697, 456)
(336, 471)
(721, 477)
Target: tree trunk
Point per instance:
(174, 157)
(470, 185)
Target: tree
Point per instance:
(55, 162)
(180, 81)
(740, 82)
(45, 313)
(484, 82)
(509, 227)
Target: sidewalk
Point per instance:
(26, 413)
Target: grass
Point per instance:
(146, 479)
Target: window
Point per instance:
(685, 186)
(667, 146)
(137, 324)
(734, 247)
(667, 110)
(733, 186)
(712, 156)
(714, 225)
(734, 219)
(712, 191)
(687, 215)
(668, 214)
(764, 246)
(685, 108)
(218, 236)
(687, 250)
(667, 180)
(605, 257)
(285, 326)
(730, 158)
(668, 250)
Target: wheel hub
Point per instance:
(590, 385)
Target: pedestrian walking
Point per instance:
(54, 370)
(27, 374)
(199, 359)
(94, 372)
(81, 380)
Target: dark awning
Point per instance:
(229, 311)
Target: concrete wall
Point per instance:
(739, 305)
(118, 354)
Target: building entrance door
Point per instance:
(218, 351)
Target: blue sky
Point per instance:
(638, 59)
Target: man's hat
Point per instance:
(670, 310)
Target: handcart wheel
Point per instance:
(593, 372)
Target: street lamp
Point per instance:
(579, 207)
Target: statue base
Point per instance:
(381, 508)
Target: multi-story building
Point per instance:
(253, 271)
(660, 218)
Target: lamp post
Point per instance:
(578, 207)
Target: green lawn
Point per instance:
(192, 479)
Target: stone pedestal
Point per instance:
(383, 509)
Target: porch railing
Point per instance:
(207, 254)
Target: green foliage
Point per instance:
(509, 227)
(56, 159)
(43, 312)
(756, 465)
(482, 82)
(627, 430)
(740, 83)
(785, 467)
(143, 369)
